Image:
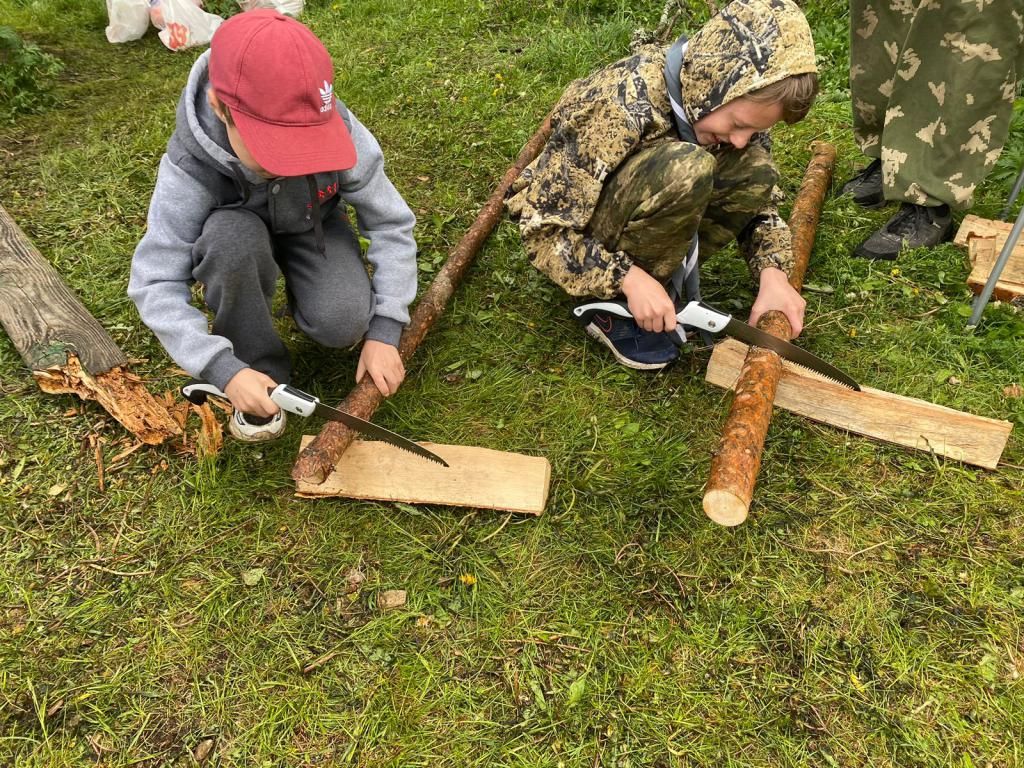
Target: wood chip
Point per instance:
(203, 749)
(390, 599)
(211, 438)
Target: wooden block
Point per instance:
(983, 254)
(872, 412)
(475, 477)
(984, 240)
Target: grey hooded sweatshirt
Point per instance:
(199, 173)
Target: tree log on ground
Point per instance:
(736, 463)
(63, 345)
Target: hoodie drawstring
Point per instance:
(318, 225)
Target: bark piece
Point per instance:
(316, 460)
(118, 391)
(874, 413)
(474, 477)
(735, 465)
(63, 345)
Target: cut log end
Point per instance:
(725, 507)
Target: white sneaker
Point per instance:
(247, 432)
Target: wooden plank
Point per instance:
(874, 413)
(44, 319)
(976, 226)
(475, 477)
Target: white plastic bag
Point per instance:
(287, 7)
(185, 23)
(129, 20)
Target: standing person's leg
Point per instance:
(233, 260)
(950, 106)
(952, 99)
(650, 208)
(877, 31)
(329, 293)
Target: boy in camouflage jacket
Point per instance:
(666, 152)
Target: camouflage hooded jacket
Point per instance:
(603, 119)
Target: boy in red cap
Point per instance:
(254, 183)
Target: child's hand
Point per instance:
(247, 392)
(777, 294)
(648, 301)
(384, 365)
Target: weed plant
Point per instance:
(195, 612)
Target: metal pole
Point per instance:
(1004, 255)
(1005, 213)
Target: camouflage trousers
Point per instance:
(932, 85)
(653, 203)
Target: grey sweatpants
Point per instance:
(237, 260)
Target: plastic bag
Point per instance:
(287, 7)
(156, 12)
(129, 20)
(185, 23)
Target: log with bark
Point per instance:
(63, 345)
(317, 460)
(738, 458)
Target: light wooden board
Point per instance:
(984, 239)
(475, 477)
(874, 413)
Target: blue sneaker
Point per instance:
(632, 345)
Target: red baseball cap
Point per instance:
(277, 78)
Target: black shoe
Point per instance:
(866, 186)
(913, 226)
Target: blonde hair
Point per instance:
(795, 93)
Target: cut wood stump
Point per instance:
(874, 413)
(474, 477)
(64, 347)
(984, 240)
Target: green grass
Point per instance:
(868, 613)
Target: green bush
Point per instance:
(26, 76)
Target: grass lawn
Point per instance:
(194, 611)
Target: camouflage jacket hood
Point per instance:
(749, 45)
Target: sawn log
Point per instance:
(738, 458)
(317, 459)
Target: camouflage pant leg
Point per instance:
(652, 204)
(932, 87)
(745, 181)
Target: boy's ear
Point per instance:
(214, 102)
